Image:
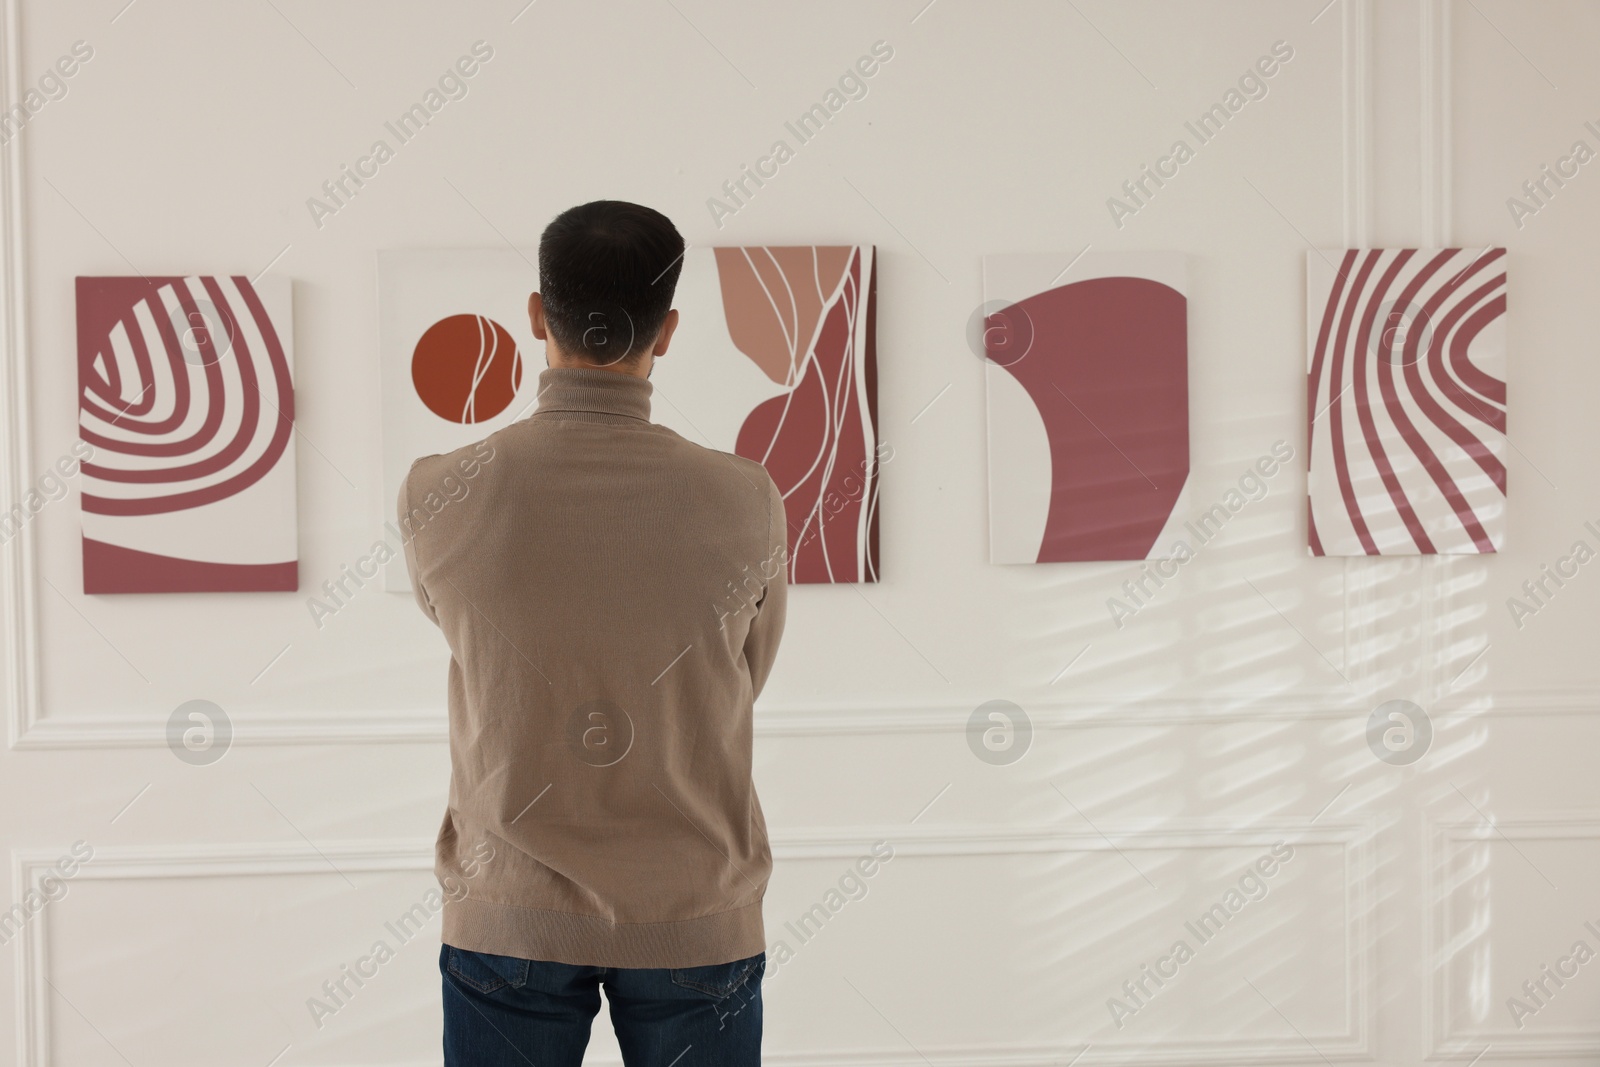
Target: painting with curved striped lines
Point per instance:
(1087, 388)
(1406, 395)
(186, 393)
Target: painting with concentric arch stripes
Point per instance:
(1406, 401)
(186, 395)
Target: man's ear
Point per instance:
(665, 338)
(536, 316)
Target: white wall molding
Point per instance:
(413, 726)
(1442, 838)
(30, 866)
(1353, 836)
(18, 612)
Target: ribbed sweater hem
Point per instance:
(589, 941)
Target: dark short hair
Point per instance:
(607, 271)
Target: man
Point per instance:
(613, 596)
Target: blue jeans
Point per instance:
(502, 1011)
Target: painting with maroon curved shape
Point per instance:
(186, 415)
(1088, 405)
(806, 317)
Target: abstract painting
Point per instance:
(774, 359)
(804, 316)
(1406, 401)
(186, 395)
(453, 343)
(1087, 382)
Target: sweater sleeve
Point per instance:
(408, 543)
(766, 629)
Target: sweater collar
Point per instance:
(594, 389)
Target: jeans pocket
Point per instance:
(485, 972)
(720, 980)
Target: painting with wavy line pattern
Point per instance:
(805, 316)
(186, 395)
(1406, 395)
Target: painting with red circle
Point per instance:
(466, 368)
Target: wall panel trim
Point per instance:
(1354, 836)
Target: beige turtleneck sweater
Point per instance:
(613, 596)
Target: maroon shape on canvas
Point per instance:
(102, 303)
(813, 439)
(114, 569)
(230, 397)
(1108, 371)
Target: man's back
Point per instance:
(613, 596)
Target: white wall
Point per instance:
(1230, 714)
